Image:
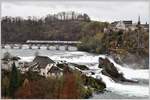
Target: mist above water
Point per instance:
(91, 61)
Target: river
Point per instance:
(113, 90)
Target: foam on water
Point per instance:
(131, 73)
(91, 61)
(130, 90)
(27, 59)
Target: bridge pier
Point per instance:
(30, 46)
(66, 47)
(39, 46)
(57, 47)
(20, 46)
(3, 46)
(48, 47)
(11, 46)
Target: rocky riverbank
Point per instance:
(72, 76)
(135, 61)
(117, 89)
(111, 71)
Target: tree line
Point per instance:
(60, 26)
(30, 85)
(68, 26)
(120, 42)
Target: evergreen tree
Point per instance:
(14, 80)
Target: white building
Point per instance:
(121, 26)
(45, 66)
(6, 63)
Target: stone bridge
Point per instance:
(39, 43)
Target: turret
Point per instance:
(146, 23)
(139, 22)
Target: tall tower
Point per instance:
(139, 22)
(139, 33)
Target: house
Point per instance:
(80, 17)
(133, 27)
(5, 64)
(127, 23)
(113, 24)
(45, 66)
(24, 66)
(120, 25)
(55, 71)
(146, 27)
(8, 61)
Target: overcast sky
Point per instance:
(97, 10)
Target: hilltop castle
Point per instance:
(129, 25)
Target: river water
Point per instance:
(113, 90)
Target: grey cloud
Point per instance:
(97, 10)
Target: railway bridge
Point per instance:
(40, 43)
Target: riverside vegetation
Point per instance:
(121, 45)
(31, 85)
(72, 84)
(78, 27)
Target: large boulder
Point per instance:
(97, 84)
(110, 70)
(134, 61)
(81, 67)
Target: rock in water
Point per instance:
(135, 61)
(110, 70)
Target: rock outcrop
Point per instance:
(110, 70)
(81, 67)
(135, 61)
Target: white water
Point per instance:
(91, 61)
(131, 73)
(131, 90)
(123, 89)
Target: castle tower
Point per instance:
(139, 33)
(139, 21)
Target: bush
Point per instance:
(96, 84)
(86, 92)
(91, 44)
(82, 67)
(33, 86)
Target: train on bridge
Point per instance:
(39, 44)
